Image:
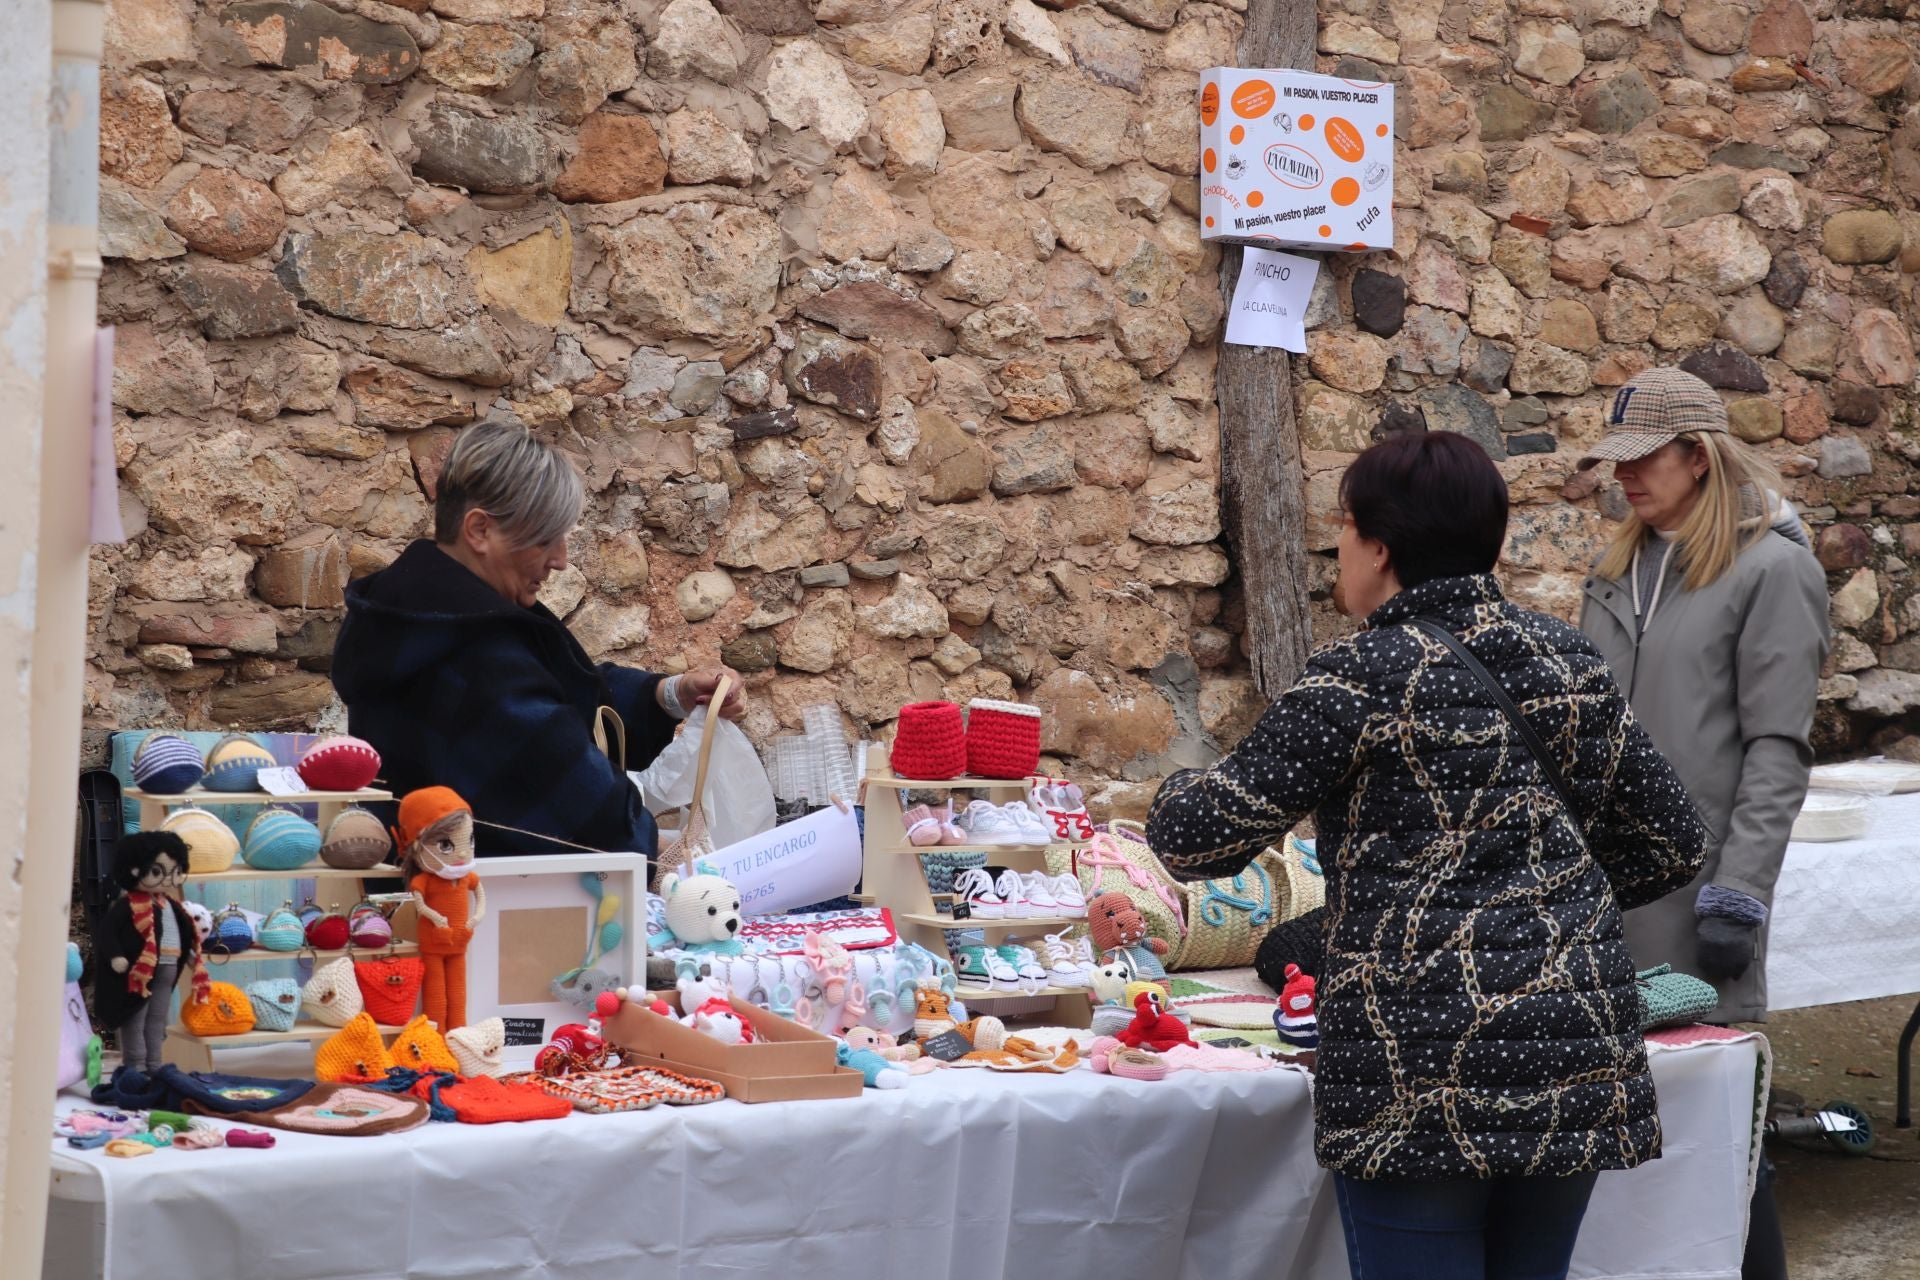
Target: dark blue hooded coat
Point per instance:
(457, 686)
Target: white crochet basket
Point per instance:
(1827, 816)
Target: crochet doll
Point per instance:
(1117, 925)
(436, 838)
(147, 939)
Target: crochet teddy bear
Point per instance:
(1117, 926)
(703, 912)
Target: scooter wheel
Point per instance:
(1860, 1141)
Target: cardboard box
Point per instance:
(1293, 160)
(786, 1061)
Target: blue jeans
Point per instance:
(1462, 1229)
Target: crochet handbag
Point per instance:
(1228, 918)
(354, 1053)
(694, 841)
(328, 932)
(390, 987)
(332, 994)
(235, 763)
(1669, 999)
(338, 763)
(231, 933)
(1003, 738)
(279, 840)
(355, 840)
(630, 1089)
(367, 927)
(282, 930)
(225, 1012)
(276, 1003)
(211, 844)
(166, 764)
(930, 742)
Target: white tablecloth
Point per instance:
(1846, 915)
(962, 1174)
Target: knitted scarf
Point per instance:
(140, 976)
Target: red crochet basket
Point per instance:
(931, 743)
(1003, 738)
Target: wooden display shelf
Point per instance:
(976, 995)
(302, 1031)
(312, 871)
(153, 808)
(962, 783)
(939, 921)
(1071, 845)
(255, 954)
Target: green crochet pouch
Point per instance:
(1669, 999)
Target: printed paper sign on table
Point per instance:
(1270, 300)
(1290, 159)
(793, 865)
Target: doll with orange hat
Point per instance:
(435, 836)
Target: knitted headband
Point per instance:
(421, 809)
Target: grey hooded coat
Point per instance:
(1724, 681)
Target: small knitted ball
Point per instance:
(211, 844)
(355, 841)
(166, 765)
(280, 840)
(235, 763)
(338, 763)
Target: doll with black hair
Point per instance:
(147, 939)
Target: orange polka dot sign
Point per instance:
(1292, 160)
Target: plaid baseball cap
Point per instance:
(1651, 410)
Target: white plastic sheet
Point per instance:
(739, 799)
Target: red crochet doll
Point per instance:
(436, 838)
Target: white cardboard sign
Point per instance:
(1270, 300)
(793, 865)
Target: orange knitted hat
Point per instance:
(421, 809)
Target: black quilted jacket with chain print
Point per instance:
(1478, 1016)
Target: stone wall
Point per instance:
(1589, 187)
(883, 333)
(885, 337)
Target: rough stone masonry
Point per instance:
(884, 335)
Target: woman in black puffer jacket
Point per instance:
(1480, 1052)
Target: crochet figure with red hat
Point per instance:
(1296, 1018)
(1152, 1026)
(435, 837)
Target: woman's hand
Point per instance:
(696, 690)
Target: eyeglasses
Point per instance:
(155, 873)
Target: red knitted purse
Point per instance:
(390, 987)
(1003, 738)
(931, 742)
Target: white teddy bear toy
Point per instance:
(706, 1008)
(703, 913)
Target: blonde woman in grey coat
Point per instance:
(1713, 616)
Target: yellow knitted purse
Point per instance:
(353, 1054)
(225, 1012)
(421, 1047)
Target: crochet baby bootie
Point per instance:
(1297, 1019)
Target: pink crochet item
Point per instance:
(1097, 1052)
(1207, 1057)
(931, 742)
(1003, 738)
(1137, 1064)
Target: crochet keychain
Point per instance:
(435, 836)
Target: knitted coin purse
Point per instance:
(931, 741)
(355, 840)
(353, 1054)
(1669, 999)
(420, 1047)
(1003, 738)
(276, 1003)
(231, 933)
(332, 994)
(390, 987)
(280, 840)
(476, 1047)
(225, 1012)
(367, 927)
(338, 763)
(235, 763)
(165, 765)
(329, 932)
(281, 930)
(211, 844)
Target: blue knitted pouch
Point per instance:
(276, 1003)
(166, 764)
(282, 930)
(280, 840)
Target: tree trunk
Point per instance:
(1262, 478)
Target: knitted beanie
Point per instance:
(489, 1101)
(1300, 941)
(421, 809)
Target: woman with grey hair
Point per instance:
(456, 673)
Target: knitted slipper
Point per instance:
(1137, 1064)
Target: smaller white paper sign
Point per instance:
(1270, 300)
(282, 782)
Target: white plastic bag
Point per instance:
(739, 799)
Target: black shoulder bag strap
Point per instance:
(1527, 735)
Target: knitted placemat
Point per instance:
(342, 1111)
(1213, 1006)
(628, 1089)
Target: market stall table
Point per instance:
(961, 1174)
